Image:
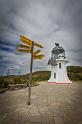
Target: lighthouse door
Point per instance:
(54, 75)
(60, 65)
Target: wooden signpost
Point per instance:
(38, 56)
(28, 47)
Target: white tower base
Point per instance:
(59, 72)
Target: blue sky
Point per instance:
(45, 22)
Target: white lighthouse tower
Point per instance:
(58, 63)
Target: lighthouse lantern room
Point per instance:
(58, 64)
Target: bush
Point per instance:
(74, 73)
(4, 83)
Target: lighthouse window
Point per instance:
(59, 65)
(54, 75)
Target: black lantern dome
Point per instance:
(57, 53)
(58, 49)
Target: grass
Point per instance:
(74, 73)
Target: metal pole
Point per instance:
(8, 72)
(30, 76)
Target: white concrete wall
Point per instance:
(61, 73)
(53, 70)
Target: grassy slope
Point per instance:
(74, 73)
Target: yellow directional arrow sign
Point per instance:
(28, 47)
(25, 40)
(23, 46)
(24, 50)
(29, 42)
(36, 52)
(38, 57)
(38, 45)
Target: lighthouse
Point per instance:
(58, 63)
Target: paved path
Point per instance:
(50, 104)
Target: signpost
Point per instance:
(25, 40)
(24, 50)
(28, 47)
(38, 56)
(38, 45)
(23, 46)
(36, 52)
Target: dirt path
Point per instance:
(50, 104)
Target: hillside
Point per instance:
(74, 73)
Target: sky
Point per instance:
(43, 21)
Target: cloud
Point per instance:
(44, 21)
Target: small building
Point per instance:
(58, 63)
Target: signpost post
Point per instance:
(30, 76)
(28, 47)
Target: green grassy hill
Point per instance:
(74, 73)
